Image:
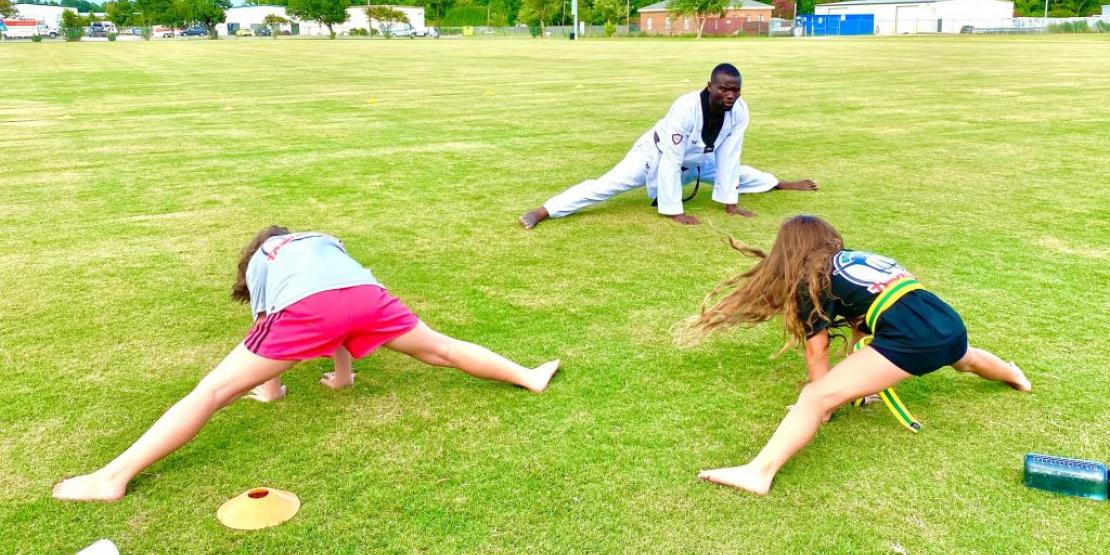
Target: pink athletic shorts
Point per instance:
(360, 318)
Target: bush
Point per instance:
(146, 33)
(465, 16)
(1069, 27)
(112, 37)
(73, 34)
(610, 29)
(36, 38)
(357, 32)
(534, 30)
(1102, 26)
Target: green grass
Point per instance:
(132, 173)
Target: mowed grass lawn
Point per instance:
(132, 174)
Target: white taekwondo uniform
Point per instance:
(672, 153)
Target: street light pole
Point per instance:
(574, 18)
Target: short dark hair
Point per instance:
(726, 69)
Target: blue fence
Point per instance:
(836, 25)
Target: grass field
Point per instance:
(132, 174)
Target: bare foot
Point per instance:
(740, 477)
(1019, 381)
(685, 219)
(534, 217)
(803, 185)
(266, 394)
(331, 381)
(541, 376)
(733, 210)
(90, 487)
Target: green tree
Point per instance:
(208, 13)
(274, 22)
(7, 9)
(386, 16)
(82, 6)
(700, 10)
(539, 12)
(610, 11)
(327, 12)
(121, 12)
(434, 10)
(72, 26)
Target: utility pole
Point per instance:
(574, 18)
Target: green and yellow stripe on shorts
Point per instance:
(896, 290)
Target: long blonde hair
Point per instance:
(799, 264)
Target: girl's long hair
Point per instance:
(799, 264)
(239, 291)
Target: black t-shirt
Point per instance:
(857, 278)
(711, 123)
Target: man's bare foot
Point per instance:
(90, 487)
(266, 394)
(1019, 381)
(331, 381)
(740, 477)
(685, 219)
(733, 210)
(803, 185)
(541, 376)
(534, 217)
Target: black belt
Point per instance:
(697, 184)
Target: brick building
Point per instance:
(741, 17)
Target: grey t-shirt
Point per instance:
(288, 268)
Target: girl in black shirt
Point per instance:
(815, 284)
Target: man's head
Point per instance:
(724, 86)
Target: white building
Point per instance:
(897, 17)
(50, 15)
(356, 18)
(252, 17)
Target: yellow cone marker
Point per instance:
(258, 508)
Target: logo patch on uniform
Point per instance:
(676, 138)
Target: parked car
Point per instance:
(244, 33)
(194, 31)
(97, 29)
(399, 30)
(264, 32)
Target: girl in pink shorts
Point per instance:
(310, 299)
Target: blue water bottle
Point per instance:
(1067, 476)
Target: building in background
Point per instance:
(900, 17)
(49, 15)
(742, 17)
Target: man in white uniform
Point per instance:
(699, 139)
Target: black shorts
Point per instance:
(920, 334)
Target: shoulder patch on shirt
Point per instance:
(676, 138)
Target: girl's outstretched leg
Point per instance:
(239, 371)
(862, 373)
(434, 348)
(988, 366)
